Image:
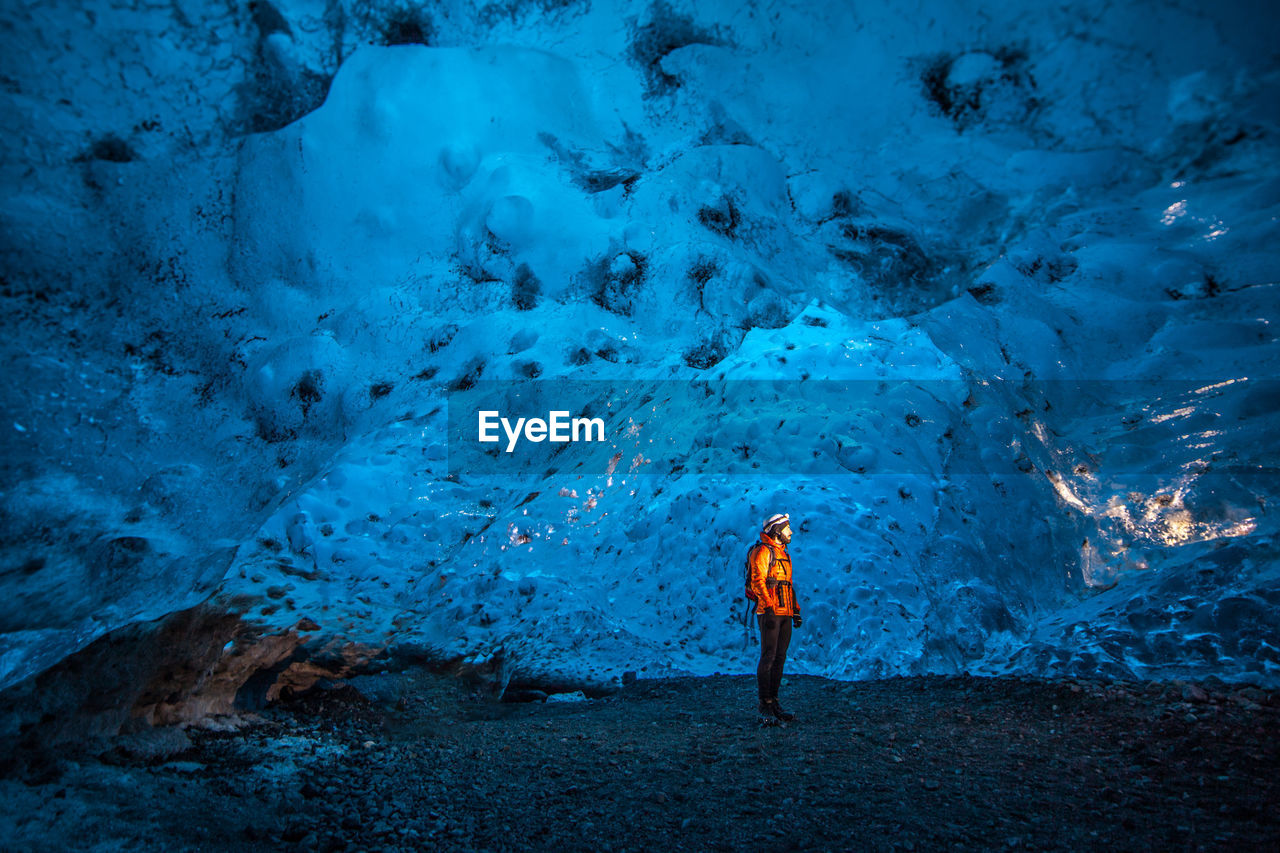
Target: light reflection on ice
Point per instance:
(1182, 412)
(1206, 389)
(1162, 517)
(1064, 491)
(1174, 212)
(1095, 569)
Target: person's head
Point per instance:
(779, 527)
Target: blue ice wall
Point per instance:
(983, 297)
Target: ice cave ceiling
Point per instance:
(982, 294)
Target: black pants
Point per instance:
(775, 636)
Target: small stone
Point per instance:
(931, 784)
(1194, 693)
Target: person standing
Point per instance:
(777, 612)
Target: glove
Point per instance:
(795, 621)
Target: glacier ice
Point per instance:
(985, 300)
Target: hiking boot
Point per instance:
(767, 717)
(776, 709)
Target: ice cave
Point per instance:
(361, 343)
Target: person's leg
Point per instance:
(768, 652)
(783, 635)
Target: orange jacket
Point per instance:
(772, 585)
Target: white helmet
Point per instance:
(776, 521)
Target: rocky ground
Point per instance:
(423, 762)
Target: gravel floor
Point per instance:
(911, 764)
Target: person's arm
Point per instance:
(759, 576)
